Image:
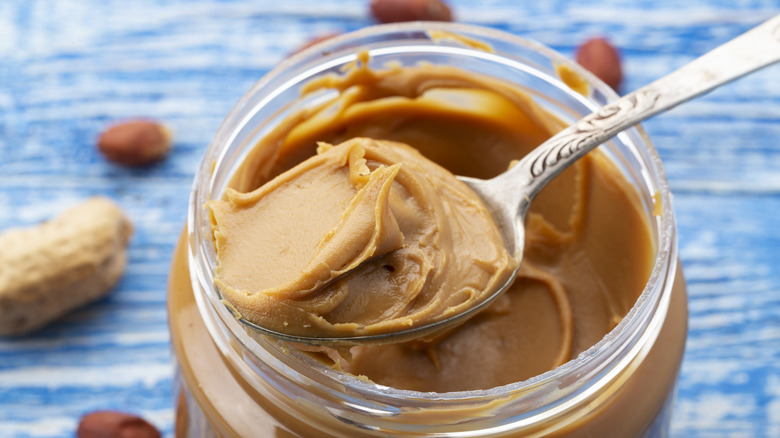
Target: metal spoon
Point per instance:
(509, 195)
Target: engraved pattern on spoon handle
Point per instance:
(593, 130)
(751, 51)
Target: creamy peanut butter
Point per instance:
(588, 251)
(365, 237)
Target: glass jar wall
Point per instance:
(234, 383)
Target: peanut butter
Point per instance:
(365, 237)
(588, 251)
(588, 254)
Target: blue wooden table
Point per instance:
(67, 68)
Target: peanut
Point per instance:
(111, 424)
(135, 142)
(394, 11)
(52, 268)
(602, 59)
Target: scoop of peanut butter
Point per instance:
(365, 237)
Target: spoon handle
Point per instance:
(751, 51)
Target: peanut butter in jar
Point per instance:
(588, 340)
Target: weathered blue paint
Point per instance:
(69, 67)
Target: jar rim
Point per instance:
(638, 318)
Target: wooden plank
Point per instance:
(67, 68)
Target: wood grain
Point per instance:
(68, 68)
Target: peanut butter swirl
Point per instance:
(365, 237)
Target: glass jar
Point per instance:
(233, 384)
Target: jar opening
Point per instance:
(277, 95)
